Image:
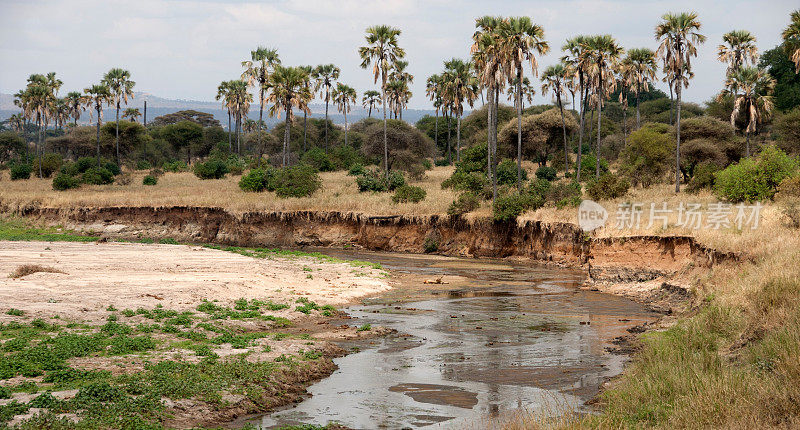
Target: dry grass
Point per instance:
(339, 193)
(30, 269)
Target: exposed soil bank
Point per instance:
(623, 259)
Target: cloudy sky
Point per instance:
(184, 48)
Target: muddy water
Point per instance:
(494, 337)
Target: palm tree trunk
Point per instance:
(98, 136)
(458, 138)
(286, 134)
(305, 130)
(449, 157)
(230, 143)
(494, 144)
(625, 122)
(326, 122)
(519, 129)
(638, 90)
(671, 101)
(370, 111)
(747, 147)
(678, 134)
(345, 125)
(489, 113)
(39, 145)
(238, 134)
(116, 140)
(580, 132)
(599, 120)
(385, 144)
(145, 116)
(564, 130)
(436, 130)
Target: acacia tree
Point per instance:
(382, 51)
(639, 70)
(791, 39)
(522, 40)
(679, 36)
(369, 100)
(577, 62)
(120, 84)
(289, 89)
(96, 95)
(325, 76)
(554, 79)
(344, 96)
(738, 49)
(751, 88)
(603, 52)
(257, 71)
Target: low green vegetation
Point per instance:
(269, 253)
(16, 229)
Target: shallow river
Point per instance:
(495, 338)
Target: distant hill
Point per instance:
(157, 106)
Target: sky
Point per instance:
(183, 49)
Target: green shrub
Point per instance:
(565, 194)
(408, 193)
(703, 177)
(112, 167)
(300, 180)
(356, 170)
(646, 157)
(509, 207)
(63, 181)
(51, 163)
(375, 180)
(149, 180)
(256, 180)
(143, 165)
(211, 169)
(318, 158)
(465, 203)
(344, 157)
(588, 166)
(507, 172)
(546, 173)
(430, 245)
(95, 176)
(756, 178)
(235, 165)
(175, 166)
(607, 187)
(475, 182)
(20, 171)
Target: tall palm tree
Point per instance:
(132, 114)
(791, 39)
(523, 40)
(554, 79)
(640, 71)
(258, 68)
(433, 89)
(489, 58)
(738, 49)
(241, 99)
(75, 105)
(382, 51)
(309, 70)
(679, 36)
(325, 76)
(40, 93)
(289, 89)
(528, 91)
(577, 61)
(460, 86)
(96, 95)
(397, 95)
(344, 96)
(369, 100)
(399, 73)
(225, 94)
(751, 89)
(22, 99)
(603, 52)
(121, 86)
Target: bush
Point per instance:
(375, 180)
(703, 177)
(475, 182)
(211, 169)
(20, 171)
(789, 197)
(507, 173)
(588, 166)
(51, 163)
(565, 194)
(175, 166)
(356, 170)
(755, 179)
(546, 173)
(607, 187)
(300, 180)
(95, 176)
(112, 167)
(508, 208)
(235, 165)
(408, 193)
(465, 203)
(256, 180)
(646, 157)
(143, 165)
(63, 181)
(149, 180)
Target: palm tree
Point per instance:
(791, 39)
(382, 51)
(257, 70)
(603, 52)
(309, 70)
(640, 71)
(433, 88)
(577, 61)
(75, 105)
(369, 100)
(289, 89)
(344, 96)
(679, 38)
(326, 76)
(528, 91)
(752, 91)
(241, 99)
(40, 94)
(397, 94)
(22, 99)
(738, 49)
(460, 86)
(120, 84)
(554, 79)
(132, 114)
(523, 40)
(488, 57)
(96, 95)
(399, 73)
(225, 94)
